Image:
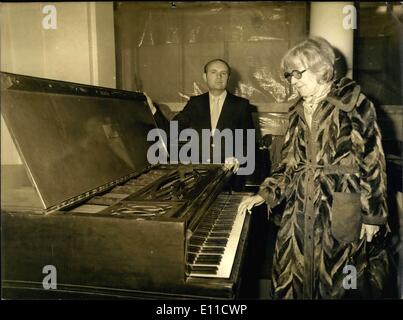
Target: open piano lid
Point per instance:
(73, 140)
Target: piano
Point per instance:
(83, 199)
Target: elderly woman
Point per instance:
(332, 176)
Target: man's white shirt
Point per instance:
(216, 104)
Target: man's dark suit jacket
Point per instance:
(235, 114)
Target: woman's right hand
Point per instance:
(250, 202)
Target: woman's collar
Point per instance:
(344, 94)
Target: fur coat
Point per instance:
(333, 178)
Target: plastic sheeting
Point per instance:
(165, 45)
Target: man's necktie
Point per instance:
(215, 113)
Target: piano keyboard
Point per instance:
(213, 245)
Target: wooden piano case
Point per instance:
(85, 200)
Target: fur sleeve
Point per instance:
(272, 189)
(366, 138)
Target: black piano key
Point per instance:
(212, 246)
(201, 233)
(220, 233)
(205, 226)
(225, 220)
(207, 223)
(218, 229)
(224, 225)
(218, 242)
(217, 237)
(194, 267)
(198, 236)
(196, 241)
(210, 219)
(209, 256)
(202, 270)
(209, 216)
(205, 230)
(191, 257)
(218, 250)
(193, 248)
(213, 212)
(227, 216)
(219, 225)
(206, 263)
(213, 259)
(230, 213)
(212, 215)
(208, 259)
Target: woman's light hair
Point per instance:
(314, 53)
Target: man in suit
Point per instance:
(215, 109)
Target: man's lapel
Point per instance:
(226, 113)
(204, 118)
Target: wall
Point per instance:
(81, 48)
(163, 50)
(326, 20)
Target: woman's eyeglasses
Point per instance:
(294, 73)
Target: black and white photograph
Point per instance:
(201, 150)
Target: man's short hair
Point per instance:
(215, 60)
